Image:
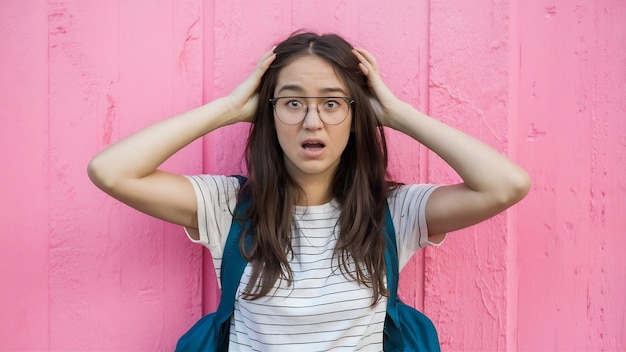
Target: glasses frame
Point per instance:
(348, 100)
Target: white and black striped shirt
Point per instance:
(323, 310)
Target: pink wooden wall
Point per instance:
(542, 81)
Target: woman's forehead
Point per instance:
(309, 75)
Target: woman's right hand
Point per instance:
(128, 169)
(243, 99)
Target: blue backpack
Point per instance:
(406, 329)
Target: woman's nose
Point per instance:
(312, 118)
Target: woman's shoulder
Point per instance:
(219, 190)
(406, 199)
(217, 182)
(401, 192)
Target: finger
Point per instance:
(363, 64)
(364, 55)
(268, 55)
(246, 88)
(360, 57)
(364, 69)
(266, 60)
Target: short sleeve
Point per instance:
(216, 197)
(407, 205)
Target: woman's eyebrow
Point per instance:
(299, 89)
(334, 90)
(291, 87)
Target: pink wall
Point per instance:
(542, 81)
(572, 103)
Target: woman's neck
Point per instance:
(316, 191)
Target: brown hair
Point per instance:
(359, 185)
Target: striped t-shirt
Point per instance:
(323, 309)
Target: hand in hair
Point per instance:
(128, 169)
(243, 99)
(385, 101)
(491, 182)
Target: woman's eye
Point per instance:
(294, 104)
(331, 104)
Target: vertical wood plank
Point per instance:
(515, 122)
(605, 89)
(84, 239)
(465, 280)
(24, 200)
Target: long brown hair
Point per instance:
(359, 185)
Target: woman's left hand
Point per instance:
(491, 182)
(385, 101)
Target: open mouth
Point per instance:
(312, 146)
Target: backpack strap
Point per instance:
(392, 332)
(406, 328)
(391, 258)
(233, 263)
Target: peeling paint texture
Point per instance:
(543, 82)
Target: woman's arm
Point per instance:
(127, 170)
(491, 182)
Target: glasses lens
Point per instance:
(293, 110)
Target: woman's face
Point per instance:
(312, 149)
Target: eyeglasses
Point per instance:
(292, 110)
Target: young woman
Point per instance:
(317, 164)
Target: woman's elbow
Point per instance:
(96, 172)
(518, 187)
